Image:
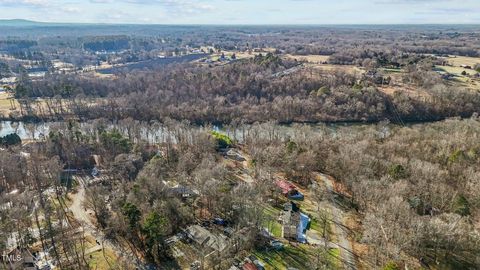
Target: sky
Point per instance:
(245, 11)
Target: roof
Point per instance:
(205, 238)
(285, 186)
(249, 266)
(302, 227)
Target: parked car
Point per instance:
(220, 221)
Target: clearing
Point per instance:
(311, 58)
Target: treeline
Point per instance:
(111, 43)
(259, 89)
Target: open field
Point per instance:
(329, 67)
(462, 60)
(456, 70)
(5, 104)
(316, 59)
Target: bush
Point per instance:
(461, 206)
(223, 141)
(391, 266)
(397, 171)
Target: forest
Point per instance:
(281, 147)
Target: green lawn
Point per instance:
(271, 220)
(301, 257)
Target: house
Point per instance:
(181, 191)
(19, 259)
(289, 190)
(295, 225)
(206, 239)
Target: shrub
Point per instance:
(461, 206)
(391, 266)
(397, 171)
(223, 141)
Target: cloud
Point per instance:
(26, 3)
(173, 7)
(70, 9)
(410, 1)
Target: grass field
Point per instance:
(462, 60)
(316, 59)
(271, 222)
(456, 70)
(5, 104)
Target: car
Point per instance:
(220, 221)
(277, 245)
(228, 231)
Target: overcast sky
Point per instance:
(245, 11)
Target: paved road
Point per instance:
(82, 216)
(346, 251)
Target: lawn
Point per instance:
(99, 260)
(271, 220)
(300, 257)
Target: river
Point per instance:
(160, 133)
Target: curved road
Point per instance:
(82, 216)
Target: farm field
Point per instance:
(462, 60)
(316, 59)
(456, 70)
(5, 104)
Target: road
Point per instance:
(346, 251)
(89, 228)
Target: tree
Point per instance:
(131, 212)
(10, 140)
(114, 143)
(154, 229)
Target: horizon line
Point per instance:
(241, 24)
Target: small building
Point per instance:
(289, 190)
(181, 191)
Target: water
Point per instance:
(160, 133)
(25, 131)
